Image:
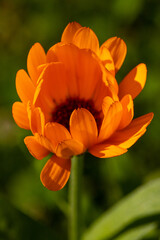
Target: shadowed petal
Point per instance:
(35, 58)
(56, 133)
(43, 101)
(55, 173)
(53, 89)
(35, 149)
(25, 87)
(86, 38)
(125, 138)
(37, 120)
(128, 111)
(20, 115)
(69, 148)
(51, 56)
(69, 32)
(118, 50)
(111, 81)
(83, 127)
(83, 74)
(42, 140)
(105, 150)
(134, 82)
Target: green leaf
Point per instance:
(143, 202)
(138, 232)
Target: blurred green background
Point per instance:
(27, 209)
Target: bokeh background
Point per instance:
(27, 209)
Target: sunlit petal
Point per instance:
(134, 81)
(20, 115)
(69, 32)
(118, 50)
(128, 111)
(107, 59)
(111, 120)
(87, 39)
(25, 87)
(106, 150)
(35, 58)
(126, 137)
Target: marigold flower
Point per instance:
(72, 103)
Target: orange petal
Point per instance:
(69, 148)
(35, 149)
(111, 120)
(106, 150)
(20, 115)
(69, 32)
(43, 141)
(111, 81)
(37, 121)
(41, 69)
(134, 81)
(83, 127)
(43, 101)
(56, 133)
(118, 50)
(107, 102)
(107, 59)
(24, 86)
(55, 173)
(128, 111)
(83, 74)
(87, 39)
(35, 58)
(125, 138)
(51, 56)
(66, 77)
(53, 89)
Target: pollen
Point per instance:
(62, 112)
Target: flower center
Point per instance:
(62, 112)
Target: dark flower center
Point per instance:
(62, 112)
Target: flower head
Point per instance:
(72, 102)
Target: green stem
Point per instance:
(75, 198)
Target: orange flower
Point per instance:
(72, 103)
(112, 52)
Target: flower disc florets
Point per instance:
(63, 111)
